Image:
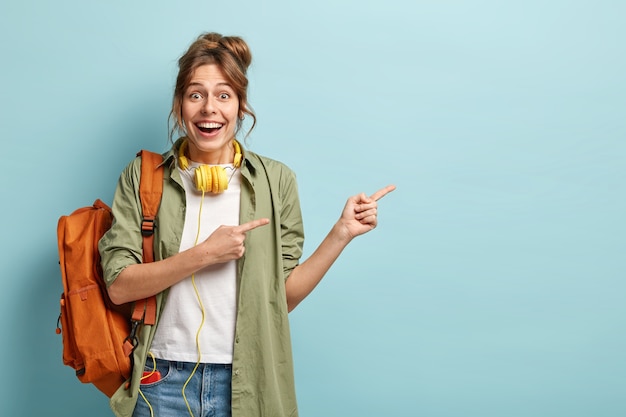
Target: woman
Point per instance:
(228, 239)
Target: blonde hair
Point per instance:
(232, 55)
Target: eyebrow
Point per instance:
(198, 84)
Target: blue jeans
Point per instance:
(208, 391)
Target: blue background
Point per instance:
(494, 285)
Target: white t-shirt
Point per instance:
(182, 317)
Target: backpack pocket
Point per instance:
(99, 334)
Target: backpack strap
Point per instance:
(150, 191)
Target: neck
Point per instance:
(226, 155)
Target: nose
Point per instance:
(209, 105)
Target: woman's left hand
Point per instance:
(360, 214)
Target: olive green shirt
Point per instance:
(263, 381)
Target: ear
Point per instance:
(243, 105)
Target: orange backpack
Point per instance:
(98, 336)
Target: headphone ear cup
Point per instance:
(215, 176)
(221, 178)
(210, 179)
(200, 175)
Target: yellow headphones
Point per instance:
(209, 178)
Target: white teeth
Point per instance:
(210, 125)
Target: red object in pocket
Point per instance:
(150, 376)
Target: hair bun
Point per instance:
(234, 44)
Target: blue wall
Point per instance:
(494, 285)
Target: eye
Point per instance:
(195, 96)
(224, 96)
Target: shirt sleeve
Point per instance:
(122, 243)
(292, 228)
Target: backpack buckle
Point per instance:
(147, 227)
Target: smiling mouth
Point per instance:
(209, 127)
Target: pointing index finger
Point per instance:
(246, 227)
(382, 192)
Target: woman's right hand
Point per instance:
(226, 243)
(143, 280)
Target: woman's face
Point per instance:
(210, 109)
